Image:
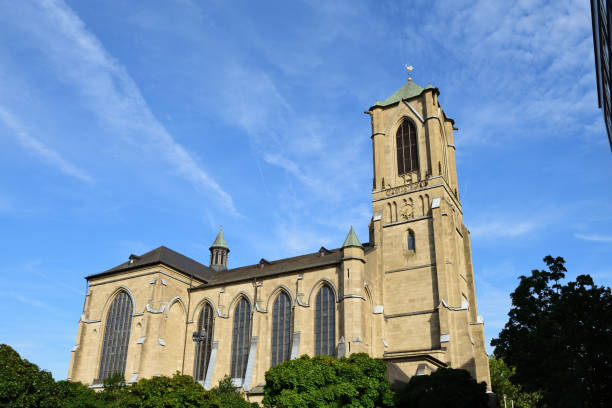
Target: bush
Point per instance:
(177, 391)
(323, 381)
(77, 395)
(225, 395)
(24, 385)
(444, 388)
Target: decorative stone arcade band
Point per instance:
(406, 188)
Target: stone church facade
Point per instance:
(406, 296)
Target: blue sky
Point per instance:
(126, 125)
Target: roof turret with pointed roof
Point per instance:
(220, 241)
(218, 252)
(351, 240)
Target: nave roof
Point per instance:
(165, 256)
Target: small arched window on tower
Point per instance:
(410, 241)
(116, 336)
(406, 143)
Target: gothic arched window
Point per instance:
(325, 322)
(203, 338)
(411, 242)
(281, 329)
(116, 336)
(241, 338)
(406, 143)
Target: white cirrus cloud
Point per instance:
(594, 237)
(502, 229)
(80, 59)
(38, 148)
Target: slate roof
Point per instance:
(270, 268)
(165, 256)
(323, 257)
(409, 90)
(210, 277)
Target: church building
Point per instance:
(406, 296)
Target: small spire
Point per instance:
(220, 241)
(351, 239)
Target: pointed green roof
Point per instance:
(409, 90)
(220, 241)
(351, 239)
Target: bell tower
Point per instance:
(218, 252)
(423, 255)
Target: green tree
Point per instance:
(558, 337)
(502, 385)
(77, 395)
(23, 384)
(178, 391)
(323, 381)
(115, 391)
(225, 395)
(444, 388)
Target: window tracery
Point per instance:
(116, 336)
(241, 338)
(203, 338)
(281, 329)
(406, 145)
(325, 322)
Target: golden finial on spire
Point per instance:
(409, 68)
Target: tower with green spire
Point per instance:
(218, 252)
(352, 240)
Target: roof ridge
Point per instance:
(409, 90)
(276, 261)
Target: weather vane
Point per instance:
(409, 68)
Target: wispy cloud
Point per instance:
(502, 229)
(291, 167)
(33, 302)
(35, 146)
(542, 73)
(594, 237)
(109, 92)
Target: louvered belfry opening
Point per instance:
(241, 338)
(203, 338)
(325, 322)
(116, 337)
(406, 143)
(281, 330)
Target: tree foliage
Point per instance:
(225, 395)
(323, 381)
(558, 337)
(177, 391)
(444, 388)
(24, 385)
(502, 385)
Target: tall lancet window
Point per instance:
(203, 338)
(325, 322)
(406, 143)
(241, 338)
(116, 336)
(281, 329)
